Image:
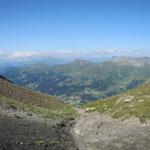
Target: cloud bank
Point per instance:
(21, 55)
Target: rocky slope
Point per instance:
(95, 131)
(133, 103)
(23, 131)
(121, 122)
(30, 120)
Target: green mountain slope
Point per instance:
(20, 98)
(135, 102)
(81, 81)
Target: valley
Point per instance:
(83, 81)
(74, 74)
(114, 121)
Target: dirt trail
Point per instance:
(94, 131)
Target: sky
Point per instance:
(68, 27)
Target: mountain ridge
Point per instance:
(137, 61)
(81, 81)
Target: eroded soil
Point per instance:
(23, 131)
(94, 131)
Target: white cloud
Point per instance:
(23, 54)
(3, 53)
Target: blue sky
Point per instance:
(75, 25)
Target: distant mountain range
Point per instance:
(83, 81)
(137, 61)
(29, 61)
(48, 60)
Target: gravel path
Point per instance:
(94, 131)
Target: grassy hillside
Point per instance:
(135, 102)
(20, 98)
